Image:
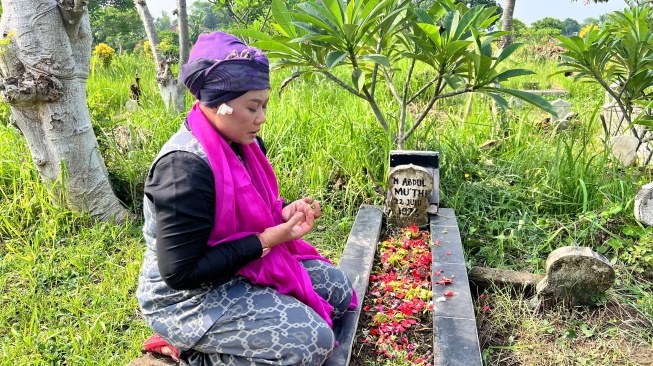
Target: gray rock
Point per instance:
(574, 276)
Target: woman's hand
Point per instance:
(297, 226)
(303, 205)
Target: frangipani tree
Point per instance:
(46, 51)
(618, 57)
(370, 38)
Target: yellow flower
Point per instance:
(586, 29)
(104, 53)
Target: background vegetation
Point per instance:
(68, 283)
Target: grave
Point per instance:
(575, 276)
(414, 175)
(455, 338)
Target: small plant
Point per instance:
(104, 53)
(638, 255)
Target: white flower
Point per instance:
(224, 109)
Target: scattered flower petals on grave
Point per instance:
(445, 281)
(400, 290)
(448, 294)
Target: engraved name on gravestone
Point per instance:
(430, 160)
(410, 187)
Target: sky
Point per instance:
(527, 11)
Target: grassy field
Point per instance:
(68, 283)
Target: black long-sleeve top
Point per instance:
(182, 187)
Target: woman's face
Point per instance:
(244, 122)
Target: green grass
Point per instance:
(68, 283)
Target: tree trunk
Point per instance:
(508, 11)
(44, 70)
(172, 89)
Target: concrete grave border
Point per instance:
(455, 337)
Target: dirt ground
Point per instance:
(612, 334)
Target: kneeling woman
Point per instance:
(227, 279)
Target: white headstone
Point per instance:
(562, 107)
(409, 187)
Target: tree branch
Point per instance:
(404, 102)
(376, 110)
(428, 108)
(343, 85)
(266, 18)
(420, 91)
(391, 86)
(376, 67)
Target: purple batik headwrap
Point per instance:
(221, 68)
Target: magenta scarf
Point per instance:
(246, 203)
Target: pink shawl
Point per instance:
(246, 203)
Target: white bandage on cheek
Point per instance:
(224, 109)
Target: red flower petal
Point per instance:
(448, 294)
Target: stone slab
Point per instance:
(447, 246)
(455, 342)
(574, 276)
(367, 226)
(358, 271)
(409, 187)
(460, 304)
(446, 217)
(356, 261)
(455, 338)
(551, 92)
(345, 336)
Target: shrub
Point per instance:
(104, 53)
